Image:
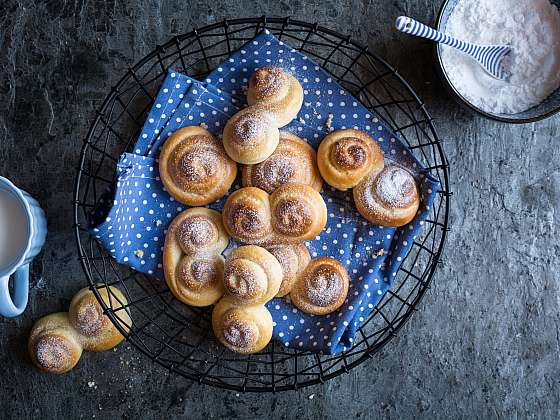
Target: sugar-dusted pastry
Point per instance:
(292, 213)
(251, 135)
(242, 329)
(298, 213)
(277, 91)
(388, 197)
(246, 215)
(293, 161)
(53, 344)
(275, 97)
(322, 287)
(95, 330)
(293, 259)
(252, 275)
(194, 166)
(192, 261)
(345, 157)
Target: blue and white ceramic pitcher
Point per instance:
(35, 228)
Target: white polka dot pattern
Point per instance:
(141, 209)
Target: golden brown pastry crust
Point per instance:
(252, 275)
(298, 212)
(95, 330)
(292, 213)
(194, 166)
(345, 157)
(293, 259)
(277, 91)
(322, 287)
(192, 264)
(293, 161)
(274, 97)
(388, 197)
(242, 329)
(53, 344)
(251, 135)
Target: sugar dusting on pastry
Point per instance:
(239, 333)
(52, 352)
(249, 128)
(268, 81)
(274, 172)
(240, 280)
(195, 231)
(323, 286)
(395, 186)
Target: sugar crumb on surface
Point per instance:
(328, 122)
(139, 253)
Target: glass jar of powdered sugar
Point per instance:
(532, 29)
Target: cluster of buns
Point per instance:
(241, 322)
(275, 98)
(292, 213)
(384, 195)
(278, 208)
(192, 260)
(56, 341)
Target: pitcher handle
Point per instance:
(13, 307)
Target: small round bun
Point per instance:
(246, 215)
(345, 157)
(322, 287)
(277, 91)
(293, 259)
(388, 197)
(53, 344)
(293, 161)
(250, 136)
(192, 261)
(242, 329)
(252, 275)
(95, 330)
(194, 167)
(298, 213)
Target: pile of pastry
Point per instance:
(277, 210)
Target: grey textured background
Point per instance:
(486, 340)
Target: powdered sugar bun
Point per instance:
(251, 135)
(95, 330)
(274, 97)
(322, 287)
(277, 91)
(345, 157)
(192, 263)
(246, 215)
(53, 344)
(388, 197)
(298, 213)
(242, 329)
(293, 161)
(194, 166)
(252, 275)
(293, 259)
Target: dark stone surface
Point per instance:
(486, 340)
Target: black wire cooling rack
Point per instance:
(179, 337)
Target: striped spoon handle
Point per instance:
(413, 27)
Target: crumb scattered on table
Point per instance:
(378, 253)
(328, 122)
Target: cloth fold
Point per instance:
(132, 228)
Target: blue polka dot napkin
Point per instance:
(134, 227)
